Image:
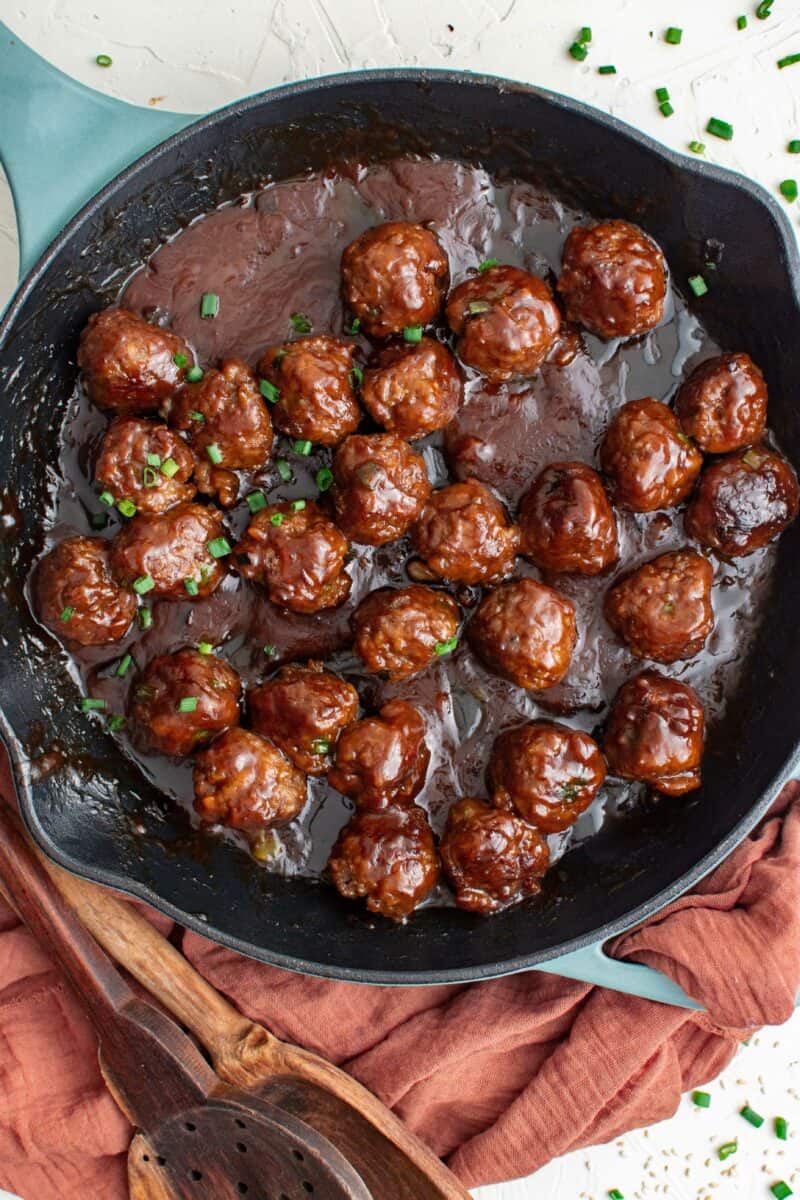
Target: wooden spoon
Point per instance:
(244, 1054)
(199, 1138)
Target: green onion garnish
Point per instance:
(191, 586)
(124, 664)
(298, 505)
(205, 648)
(209, 305)
(153, 460)
(194, 415)
(697, 284)
(720, 129)
(145, 618)
(115, 723)
(781, 1190)
(356, 376)
(353, 327)
(697, 147)
(276, 519)
(66, 613)
(269, 391)
(726, 1150)
(781, 1128)
(256, 501)
(180, 360)
(662, 94)
(88, 704)
(741, 22)
(300, 322)
(169, 468)
(615, 1194)
(283, 469)
(187, 704)
(149, 477)
(750, 1115)
(320, 745)
(607, 70)
(270, 649)
(488, 263)
(412, 333)
(447, 647)
(666, 109)
(194, 375)
(219, 547)
(143, 585)
(127, 508)
(578, 51)
(788, 61)
(701, 1099)
(104, 60)
(673, 36)
(585, 34)
(303, 448)
(98, 520)
(788, 189)
(106, 498)
(763, 10)
(324, 478)
(214, 453)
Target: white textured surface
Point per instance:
(193, 57)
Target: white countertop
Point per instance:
(194, 57)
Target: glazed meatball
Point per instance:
(314, 398)
(297, 554)
(393, 276)
(171, 550)
(132, 457)
(303, 710)
(380, 486)
(129, 365)
(525, 632)
(655, 733)
(506, 321)
(76, 596)
(182, 700)
(382, 760)
(413, 390)
(389, 857)
(546, 772)
(491, 858)
(464, 534)
(401, 631)
(663, 608)
(613, 279)
(225, 417)
(742, 502)
(650, 463)
(243, 781)
(723, 404)
(566, 522)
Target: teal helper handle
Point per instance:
(60, 142)
(593, 965)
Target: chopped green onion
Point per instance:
(88, 704)
(298, 505)
(284, 470)
(149, 477)
(781, 1190)
(303, 448)
(324, 478)
(488, 263)
(788, 61)
(153, 460)
(478, 306)
(205, 571)
(726, 1150)
(124, 664)
(106, 498)
(741, 22)
(169, 468)
(270, 649)
(300, 322)
(66, 613)
(276, 519)
(701, 1099)
(127, 508)
(720, 129)
(194, 375)
(412, 333)
(673, 36)
(320, 745)
(191, 586)
(99, 520)
(269, 391)
(194, 415)
(662, 94)
(180, 360)
(781, 1128)
(607, 70)
(143, 585)
(794, 146)
(697, 147)
(188, 704)
(749, 1114)
(697, 284)
(353, 327)
(763, 10)
(615, 1194)
(145, 618)
(214, 453)
(104, 60)
(209, 305)
(205, 648)
(788, 189)
(578, 51)
(585, 35)
(115, 723)
(256, 501)
(442, 648)
(666, 109)
(219, 547)
(356, 376)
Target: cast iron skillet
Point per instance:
(88, 807)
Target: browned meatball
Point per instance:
(389, 857)
(506, 322)
(742, 502)
(314, 399)
(182, 700)
(401, 631)
(413, 390)
(491, 858)
(380, 486)
(547, 772)
(663, 608)
(303, 710)
(225, 417)
(382, 760)
(525, 632)
(170, 551)
(129, 365)
(566, 522)
(393, 276)
(146, 463)
(723, 404)
(464, 534)
(655, 733)
(297, 554)
(242, 780)
(76, 596)
(613, 279)
(651, 464)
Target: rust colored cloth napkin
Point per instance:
(497, 1077)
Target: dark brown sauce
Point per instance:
(276, 253)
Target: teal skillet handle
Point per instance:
(593, 965)
(60, 142)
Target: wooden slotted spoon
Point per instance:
(199, 1138)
